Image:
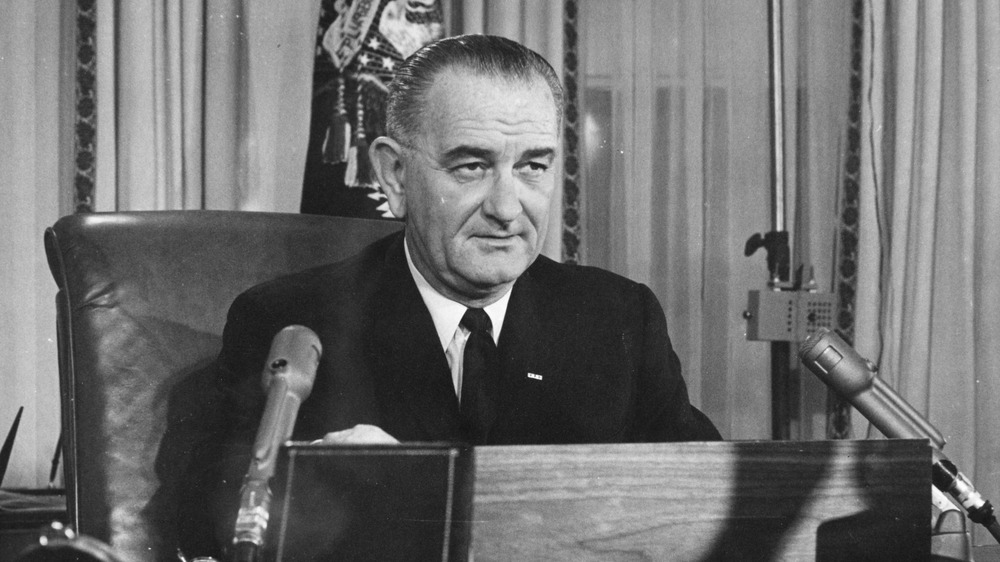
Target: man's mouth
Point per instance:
(497, 238)
(500, 235)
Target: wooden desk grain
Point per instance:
(820, 500)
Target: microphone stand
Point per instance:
(251, 520)
(776, 242)
(288, 376)
(947, 478)
(255, 495)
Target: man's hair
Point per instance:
(484, 55)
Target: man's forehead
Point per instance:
(500, 80)
(448, 84)
(462, 100)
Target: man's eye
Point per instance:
(533, 170)
(469, 171)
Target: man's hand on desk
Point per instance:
(361, 434)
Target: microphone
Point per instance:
(841, 368)
(288, 378)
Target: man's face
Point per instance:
(478, 181)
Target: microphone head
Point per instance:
(836, 363)
(851, 376)
(294, 357)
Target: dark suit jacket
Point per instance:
(596, 343)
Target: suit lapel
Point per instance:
(521, 329)
(411, 358)
(521, 346)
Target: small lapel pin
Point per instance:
(534, 376)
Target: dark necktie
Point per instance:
(479, 376)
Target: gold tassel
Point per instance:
(338, 134)
(361, 171)
(351, 173)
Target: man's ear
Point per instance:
(386, 156)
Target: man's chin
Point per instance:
(498, 272)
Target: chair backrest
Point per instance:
(141, 306)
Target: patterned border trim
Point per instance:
(571, 160)
(838, 412)
(86, 107)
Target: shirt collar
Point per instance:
(447, 313)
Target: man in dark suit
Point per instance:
(456, 328)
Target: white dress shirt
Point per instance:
(447, 315)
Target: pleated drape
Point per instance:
(203, 104)
(930, 282)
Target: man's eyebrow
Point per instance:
(467, 151)
(533, 153)
(470, 151)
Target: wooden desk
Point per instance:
(818, 500)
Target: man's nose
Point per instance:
(502, 203)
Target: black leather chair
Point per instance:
(141, 305)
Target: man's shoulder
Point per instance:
(586, 286)
(548, 272)
(347, 276)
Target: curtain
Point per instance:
(202, 104)
(34, 38)
(675, 147)
(929, 275)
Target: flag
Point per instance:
(359, 45)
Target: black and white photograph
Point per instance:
(499, 280)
